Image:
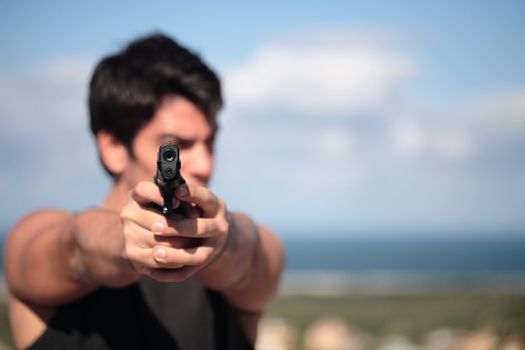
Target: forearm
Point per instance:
(37, 258)
(98, 257)
(59, 263)
(257, 287)
(247, 273)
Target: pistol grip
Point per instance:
(167, 193)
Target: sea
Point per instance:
(396, 264)
(386, 264)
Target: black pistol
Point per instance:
(168, 176)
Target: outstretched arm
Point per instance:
(249, 270)
(53, 257)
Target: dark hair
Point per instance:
(127, 88)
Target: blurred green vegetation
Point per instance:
(413, 316)
(5, 336)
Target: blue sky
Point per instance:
(340, 117)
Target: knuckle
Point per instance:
(197, 259)
(131, 253)
(202, 228)
(205, 256)
(125, 213)
(129, 211)
(127, 229)
(207, 227)
(141, 187)
(171, 259)
(224, 225)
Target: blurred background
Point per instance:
(383, 141)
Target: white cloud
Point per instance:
(413, 139)
(334, 143)
(49, 99)
(300, 169)
(460, 132)
(333, 164)
(497, 119)
(453, 144)
(314, 77)
(44, 115)
(494, 119)
(505, 107)
(408, 138)
(352, 169)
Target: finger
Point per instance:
(151, 220)
(191, 211)
(141, 237)
(146, 192)
(176, 242)
(159, 208)
(172, 257)
(197, 228)
(201, 196)
(150, 197)
(148, 219)
(142, 260)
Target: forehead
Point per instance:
(180, 117)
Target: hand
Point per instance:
(173, 249)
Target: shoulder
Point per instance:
(37, 221)
(28, 320)
(29, 227)
(32, 224)
(43, 217)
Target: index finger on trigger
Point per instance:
(146, 192)
(149, 197)
(199, 195)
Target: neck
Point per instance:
(117, 196)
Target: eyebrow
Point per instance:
(171, 137)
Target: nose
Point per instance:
(197, 163)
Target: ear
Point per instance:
(112, 152)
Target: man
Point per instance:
(124, 275)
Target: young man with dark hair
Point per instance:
(125, 276)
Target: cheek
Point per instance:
(140, 171)
(183, 155)
(146, 162)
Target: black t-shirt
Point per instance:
(146, 315)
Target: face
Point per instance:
(179, 121)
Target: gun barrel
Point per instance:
(168, 176)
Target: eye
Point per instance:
(210, 144)
(184, 144)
